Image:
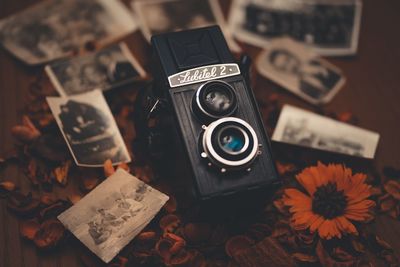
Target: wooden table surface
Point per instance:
(372, 93)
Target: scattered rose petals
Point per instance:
(88, 183)
(393, 188)
(7, 186)
(28, 229)
(26, 132)
(302, 257)
(169, 222)
(108, 168)
(61, 173)
(74, 198)
(236, 244)
(23, 205)
(50, 234)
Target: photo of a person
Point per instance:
(89, 129)
(315, 80)
(108, 68)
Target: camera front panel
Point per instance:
(211, 177)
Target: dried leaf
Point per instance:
(387, 204)
(393, 188)
(28, 229)
(23, 205)
(50, 234)
(169, 245)
(236, 244)
(74, 198)
(326, 260)
(169, 222)
(26, 132)
(61, 173)
(47, 200)
(258, 231)
(7, 187)
(302, 257)
(108, 168)
(88, 183)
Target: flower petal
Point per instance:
(295, 198)
(345, 225)
(328, 230)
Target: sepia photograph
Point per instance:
(300, 127)
(89, 129)
(111, 215)
(331, 27)
(54, 29)
(161, 16)
(300, 70)
(105, 69)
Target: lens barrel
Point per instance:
(230, 143)
(214, 100)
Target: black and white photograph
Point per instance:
(161, 16)
(111, 215)
(54, 29)
(300, 70)
(89, 129)
(300, 127)
(330, 27)
(106, 69)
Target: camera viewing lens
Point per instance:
(215, 99)
(230, 143)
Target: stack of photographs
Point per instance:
(106, 69)
(303, 128)
(300, 70)
(54, 29)
(89, 129)
(331, 27)
(111, 215)
(161, 16)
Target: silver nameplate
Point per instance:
(201, 74)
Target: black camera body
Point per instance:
(213, 136)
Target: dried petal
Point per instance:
(88, 183)
(23, 205)
(393, 188)
(108, 168)
(54, 210)
(61, 173)
(387, 204)
(26, 132)
(32, 172)
(74, 198)
(302, 257)
(47, 200)
(236, 244)
(144, 173)
(7, 186)
(28, 229)
(50, 234)
(169, 222)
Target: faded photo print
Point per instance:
(111, 215)
(303, 128)
(53, 29)
(331, 26)
(108, 68)
(299, 70)
(89, 129)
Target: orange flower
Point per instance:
(335, 196)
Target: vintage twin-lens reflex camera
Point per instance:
(203, 117)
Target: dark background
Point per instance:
(371, 93)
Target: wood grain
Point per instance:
(372, 93)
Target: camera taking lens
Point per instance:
(230, 144)
(214, 100)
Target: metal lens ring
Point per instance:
(230, 143)
(215, 99)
